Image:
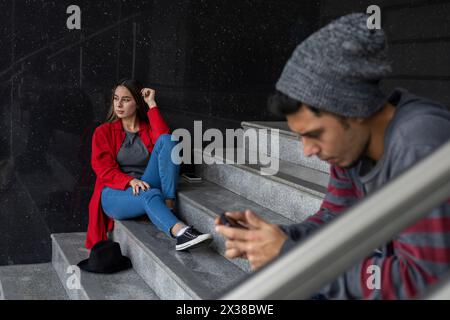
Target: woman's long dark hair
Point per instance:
(135, 88)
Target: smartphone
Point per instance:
(229, 222)
(191, 177)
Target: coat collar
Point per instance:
(143, 133)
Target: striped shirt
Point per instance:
(419, 255)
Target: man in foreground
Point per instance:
(329, 94)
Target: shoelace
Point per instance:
(191, 234)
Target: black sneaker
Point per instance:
(191, 238)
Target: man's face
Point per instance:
(327, 137)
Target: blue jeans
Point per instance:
(162, 176)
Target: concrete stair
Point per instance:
(30, 282)
(159, 271)
(291, 192)
(290, 145)
(68, 249)
(200, 203)
(196, 274)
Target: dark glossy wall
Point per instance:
(212, 60)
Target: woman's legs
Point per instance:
(162, 175)
(161, 172)
(121, 205)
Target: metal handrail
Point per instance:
(440, 291)
(348, 239)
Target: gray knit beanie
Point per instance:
(338, 68)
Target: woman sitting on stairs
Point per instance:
(131, 156)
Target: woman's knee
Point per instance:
(165, 139)
(120, 205)
(151, 193)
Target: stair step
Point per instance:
(68, 250)
(196, 274)
(30, 282)
(290, 146)
(200, 203)
(295, 191)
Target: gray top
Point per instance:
(419, 127)
(133, 156)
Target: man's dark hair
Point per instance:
(283, 105)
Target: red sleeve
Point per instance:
(157, 124)
(104, 162)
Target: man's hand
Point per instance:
(149, 97)
(137, 184)
(260, 244)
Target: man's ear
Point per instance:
(347, 122)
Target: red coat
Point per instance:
(106, 143)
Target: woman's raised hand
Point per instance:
(149, 97)
(137, 184)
